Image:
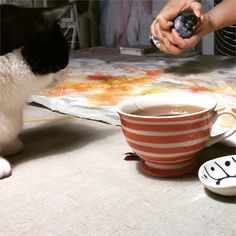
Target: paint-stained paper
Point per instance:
(95, 85)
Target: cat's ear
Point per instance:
(55, 14)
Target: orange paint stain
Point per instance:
(154, 72)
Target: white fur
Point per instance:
(17, 83)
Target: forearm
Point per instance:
(223, 14)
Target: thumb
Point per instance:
(196, 8)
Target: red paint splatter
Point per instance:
(99, 76)
(154, 72)
(200, 89)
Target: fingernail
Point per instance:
(198, 14)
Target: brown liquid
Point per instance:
(168, 110)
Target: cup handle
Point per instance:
(220, 137)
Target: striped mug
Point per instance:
(168, 144)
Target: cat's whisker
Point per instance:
(60, 85)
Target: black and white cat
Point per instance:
(34, 54)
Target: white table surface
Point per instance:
(72, 179)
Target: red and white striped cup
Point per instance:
(168, 144)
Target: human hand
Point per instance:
(161, 28)
(204, 26)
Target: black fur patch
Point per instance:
(18, 26)
(47, 52)
(44, 47)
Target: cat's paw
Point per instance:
(11, 148)
(5, 168)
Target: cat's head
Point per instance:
(37, 31)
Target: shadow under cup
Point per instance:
(167, 145)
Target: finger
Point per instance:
(153, 30)
(154, 42)
(162, 48)
(169, 36)
(163, 22)
(179, 41)
(169, 48)
(204, 23)
(193, 41)
(197, 8)
(169, 13)
(158, 32)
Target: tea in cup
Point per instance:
(167, 130)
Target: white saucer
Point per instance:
(219, 175)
